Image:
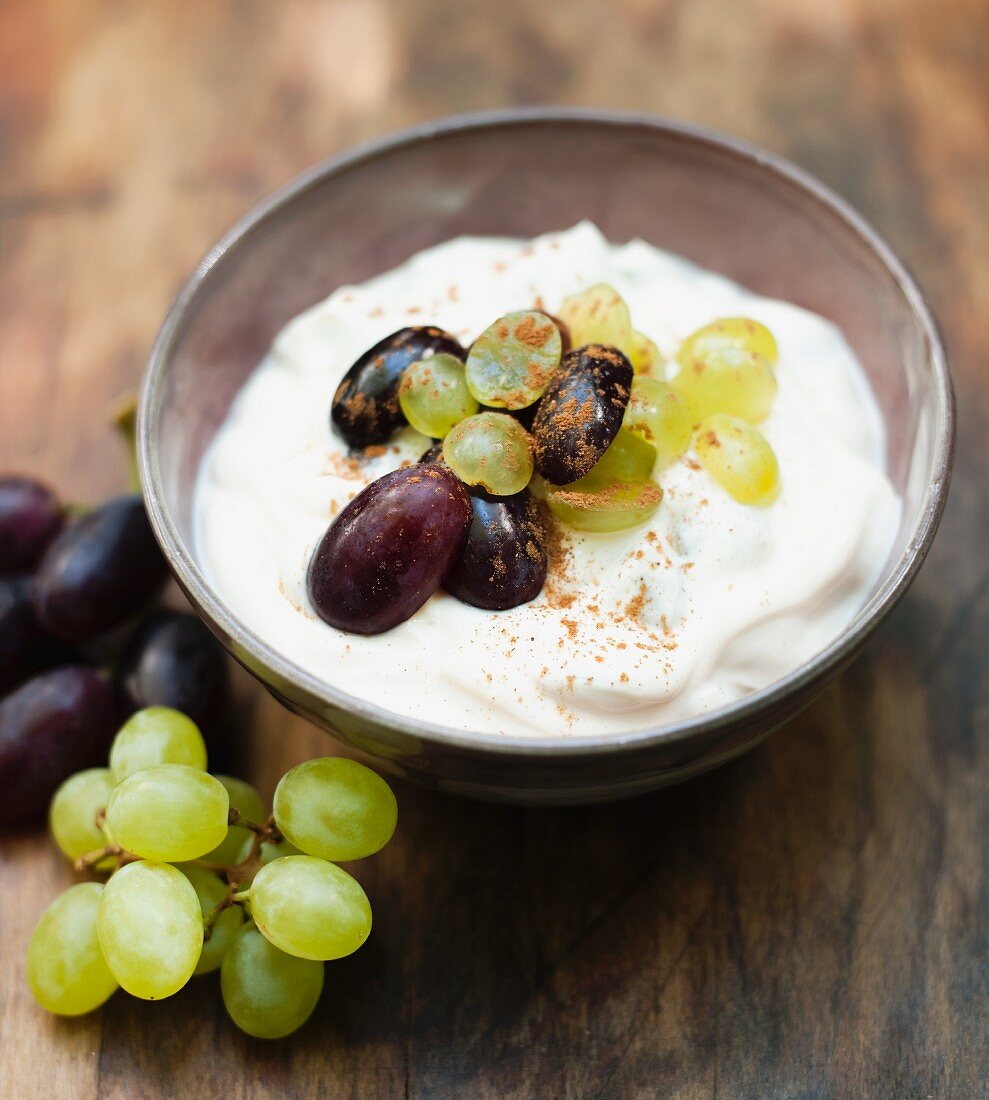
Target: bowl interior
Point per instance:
(724, 207)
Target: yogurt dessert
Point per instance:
(678, 510)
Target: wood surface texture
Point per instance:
(811, 921)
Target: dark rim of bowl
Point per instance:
(824, 663)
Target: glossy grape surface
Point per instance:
(56, 723)
(434, 396)
(72, 814)
(30, 518)
(739, 458)
(598, 315)
(728, 380)
(101, 570)
(156, 735)
(729, 332)
(150, 927)
(365, 408)
(236, 845)
(335, 808)
(210, 891)
(661, 417)
(310, 908)
(503, 563)
(389, 549)
(168, 812)
(25, 646)
(172, 660)
(491, 450)
(268, 993)
(581, 412)
(511, 363)
(65, 966)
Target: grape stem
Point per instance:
(233, 898)
(89, 860)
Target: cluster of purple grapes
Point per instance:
(81, 644)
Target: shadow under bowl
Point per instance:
(721, 203)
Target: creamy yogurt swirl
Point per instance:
(708, 601)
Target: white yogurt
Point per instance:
(710, 600)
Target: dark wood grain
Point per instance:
(812, 920)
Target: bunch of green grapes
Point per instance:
(201, 879)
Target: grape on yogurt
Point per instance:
(503, 563)
(730, 380)
(598, 315)
(511, 363)
(490, 450)
(739, 458)
(729, 332)
(434, 396)
(365, 408)
(581, 412)
(658, 414)
(388, 551)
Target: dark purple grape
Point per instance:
(172, 660)
(580, 412)
(389, 549)
(365, 408)
(100, 571)
(503, 562)
(53, 725)
(25, 646)
(30, 517)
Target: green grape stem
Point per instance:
(232, 898)
(89, 860)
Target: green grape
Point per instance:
(236, 845)
(335, 808)
(644, 356)
(275, 849)
(511, 363)
(169, 812)
(492, 450)
(156, 735)
(434, 396)
(310, 908)
(739, 458)
(211, 890)
(598, 315)
(65, 965)
(616, 508)
(728, 380)
(628, 458)
(268, 993)
(728, 332)
(658, 414)
(150, 928)
(617, 494)
(537, 486)
(72, 815)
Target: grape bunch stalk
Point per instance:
(194, 877)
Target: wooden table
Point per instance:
(810, 921)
